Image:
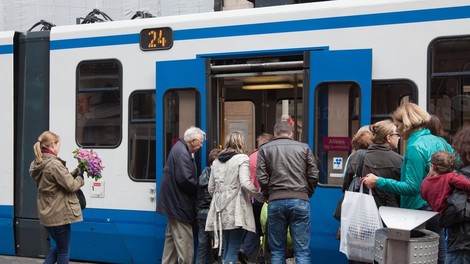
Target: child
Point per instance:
(203, 204)
(441, 181)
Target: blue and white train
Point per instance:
(128, 89)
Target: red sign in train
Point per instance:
(336, 143)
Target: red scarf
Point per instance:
(48, 151)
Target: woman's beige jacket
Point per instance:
(57, 203)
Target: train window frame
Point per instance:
(410, 96)
(328, 177)
(94, 90)
(448, 87)
(144, 123)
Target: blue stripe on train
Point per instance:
(403, 17)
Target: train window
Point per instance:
(449, 91)
(142, 135)
(337, 114)
(387, 95)
(99, 114)
(179, 113)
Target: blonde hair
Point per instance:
(381, 130)
(234, 141)
(45, 140)
(412, 116)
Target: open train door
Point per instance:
(340, 96)
(180, 103)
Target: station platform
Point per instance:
(22, 260)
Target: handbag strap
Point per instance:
(362, 153)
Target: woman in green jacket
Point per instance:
(411, 121)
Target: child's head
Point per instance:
(442, 162)
(213, 155)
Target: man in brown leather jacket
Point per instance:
(287, 173)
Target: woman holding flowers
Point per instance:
(57, 203)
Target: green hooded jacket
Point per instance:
(419, 149)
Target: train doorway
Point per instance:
(326, 95)
(252, 94)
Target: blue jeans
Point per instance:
(204, 248)
(295, 214)
(232, 240)
(61, 252)
(458, 256)
(251, 240)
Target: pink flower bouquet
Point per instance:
(89, 162)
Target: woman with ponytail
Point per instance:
(57, 203)
(381, 159)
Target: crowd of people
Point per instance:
(284, 173)
(228, 198)
(230, 194)
(424, 178)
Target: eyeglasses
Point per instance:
(395, 134)
(200, 141)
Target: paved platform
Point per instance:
(21, 260)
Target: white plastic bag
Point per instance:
(359, 220)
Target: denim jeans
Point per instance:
(251, 241)
(458, 256)
(295, 214)
(204, 248)
(232, 240)
(61, 252)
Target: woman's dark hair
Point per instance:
(435, 126)
(461, 144)
(361, 140)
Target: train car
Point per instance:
(129, 89)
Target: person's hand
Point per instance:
(370, 180)
(78, 172)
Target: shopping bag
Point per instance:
(353, 187)
(359, 220)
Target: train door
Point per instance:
(340, 85)
(179, 98)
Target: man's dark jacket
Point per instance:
(286, 169)
(178, 188)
